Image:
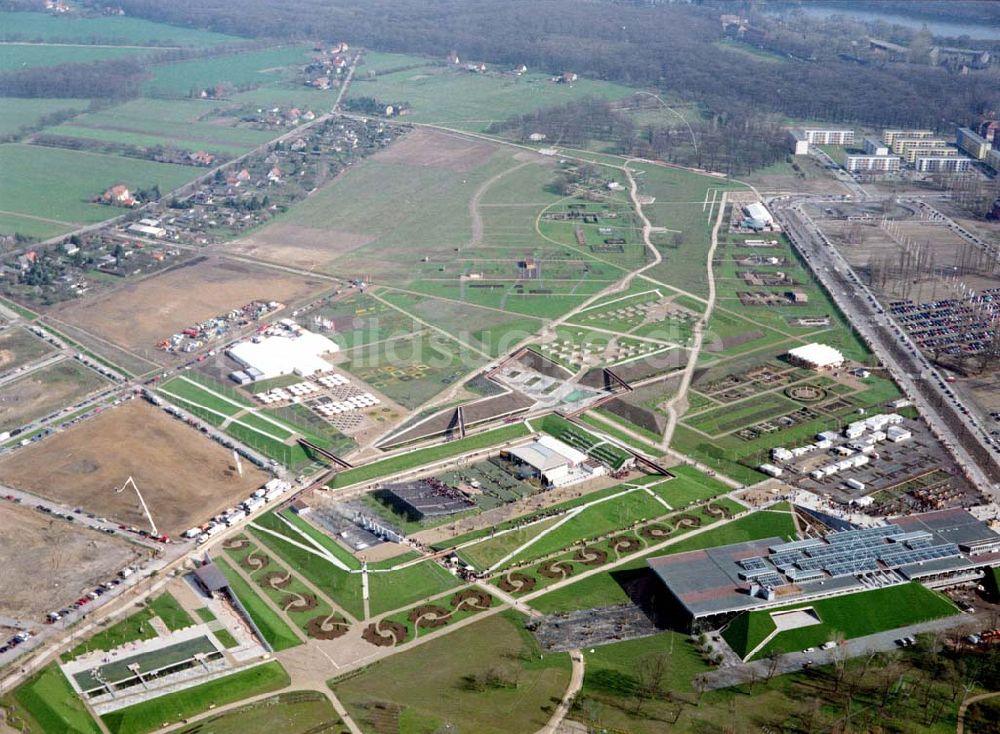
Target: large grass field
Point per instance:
(274, 629)
(430, 683)
(30, 189)
(849, 616)
(172, 707)
(16, 112)
(188, 124)
(297, 712)
(113, 30)
(46, 703)
(14, 58)
(468, 101)
(250, 68)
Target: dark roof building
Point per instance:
(934, 548)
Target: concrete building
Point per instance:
(910, 148)
(942, 164)
(874, 146)
(798, 143)
(889, 136)
(973, 144)
(817, 136)
(971, 57)
(872, 163)
(993, 159)
(816, 356)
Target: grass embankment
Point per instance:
(278, 634)
(157, 712)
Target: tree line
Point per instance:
(672, 47)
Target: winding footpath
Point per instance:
(678, 403)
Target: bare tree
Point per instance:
(651, 671)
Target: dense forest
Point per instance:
(674, 47)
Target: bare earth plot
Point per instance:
(140, 314)
(184, 477)
(50, 388)
(427, 148)
(48, 563)
(398, 216)
(19, 347)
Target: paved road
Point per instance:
(908, 367)
(960, 728)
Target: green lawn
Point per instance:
(134, 627)
(852, 616)
(274, 629)
(296, 712)
(271, 522)
(171, 612)
(489, 551)
(153, 714)
(430, 682)
(30, 190)
(341, 587)
(48, 705)
(397, 589)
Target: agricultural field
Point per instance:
(139, 314)
(49, 563)
(21, 113)
(38, 393)
(184, 477)
(465, 100)
(14, 58)
(120, 30)
(186, 124)
(426, 687)
(245, 69)
(31, 193)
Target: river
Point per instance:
(937, 27)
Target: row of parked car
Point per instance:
(89, 597)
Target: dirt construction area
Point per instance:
(184, 476)
(48, 563)
(138, 315)
(426, 148)
(298, 245)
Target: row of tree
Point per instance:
(671, 47)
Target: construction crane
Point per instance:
(142, 502)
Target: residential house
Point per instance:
(118, 195)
